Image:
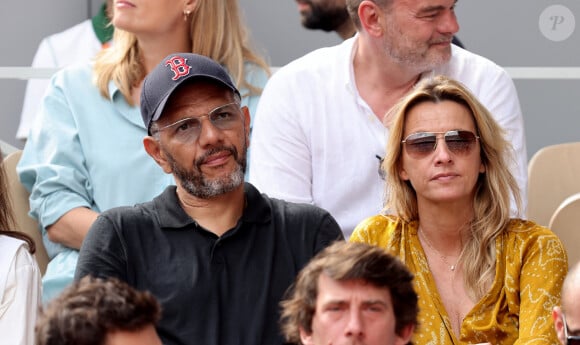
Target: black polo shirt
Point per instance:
(213, 290)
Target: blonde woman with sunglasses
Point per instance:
(481, 276)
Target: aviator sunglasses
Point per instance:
(570, 339)
(422, 144)
(187, 130)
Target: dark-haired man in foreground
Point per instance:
(99, 312)
(351, 293)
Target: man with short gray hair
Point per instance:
(321, 126)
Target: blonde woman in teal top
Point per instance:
(85, 154)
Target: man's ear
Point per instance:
(306, 337)
(371, 18)
(558, 323)
(153, 149)
(406, 334)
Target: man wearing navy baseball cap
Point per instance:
(215, 252)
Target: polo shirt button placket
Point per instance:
(217, 257)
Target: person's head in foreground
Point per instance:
(351, 293)
(94, 311)
(198, 131)
(567, 315)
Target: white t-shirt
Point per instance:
(315, 140)
(20, 292)
(76, 44)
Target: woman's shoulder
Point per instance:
(536, 251)
(527, 229)
(376, 229)
(77, 71)
(528, 235)
(378, 221)
(11, 247)
(10, 242)
(74, 78)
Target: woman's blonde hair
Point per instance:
(217, 31)
(493, 188)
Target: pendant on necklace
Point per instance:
(452, 267)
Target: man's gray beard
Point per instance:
(196, 184)
(404, 54)
(209, 189)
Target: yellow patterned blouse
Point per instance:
(530, 269)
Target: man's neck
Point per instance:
(154, 49)
(380, 81)
(218, 214)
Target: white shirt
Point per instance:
(20, 292)
(74, 45)
(315, 140)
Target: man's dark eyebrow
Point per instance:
(375, 302)
(342, 302)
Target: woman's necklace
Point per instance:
(452, 267)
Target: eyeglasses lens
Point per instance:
(424, 143)
(188, 130)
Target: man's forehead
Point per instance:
(191, 102)
(571, 290)
(331, 288)
(197, 105)
(571, 307)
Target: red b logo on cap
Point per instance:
(178, 66)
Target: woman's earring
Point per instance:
(186, 14)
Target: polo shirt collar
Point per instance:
(172, 215)
(257, 208)
(169, 210)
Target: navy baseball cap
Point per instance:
(173, 71)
